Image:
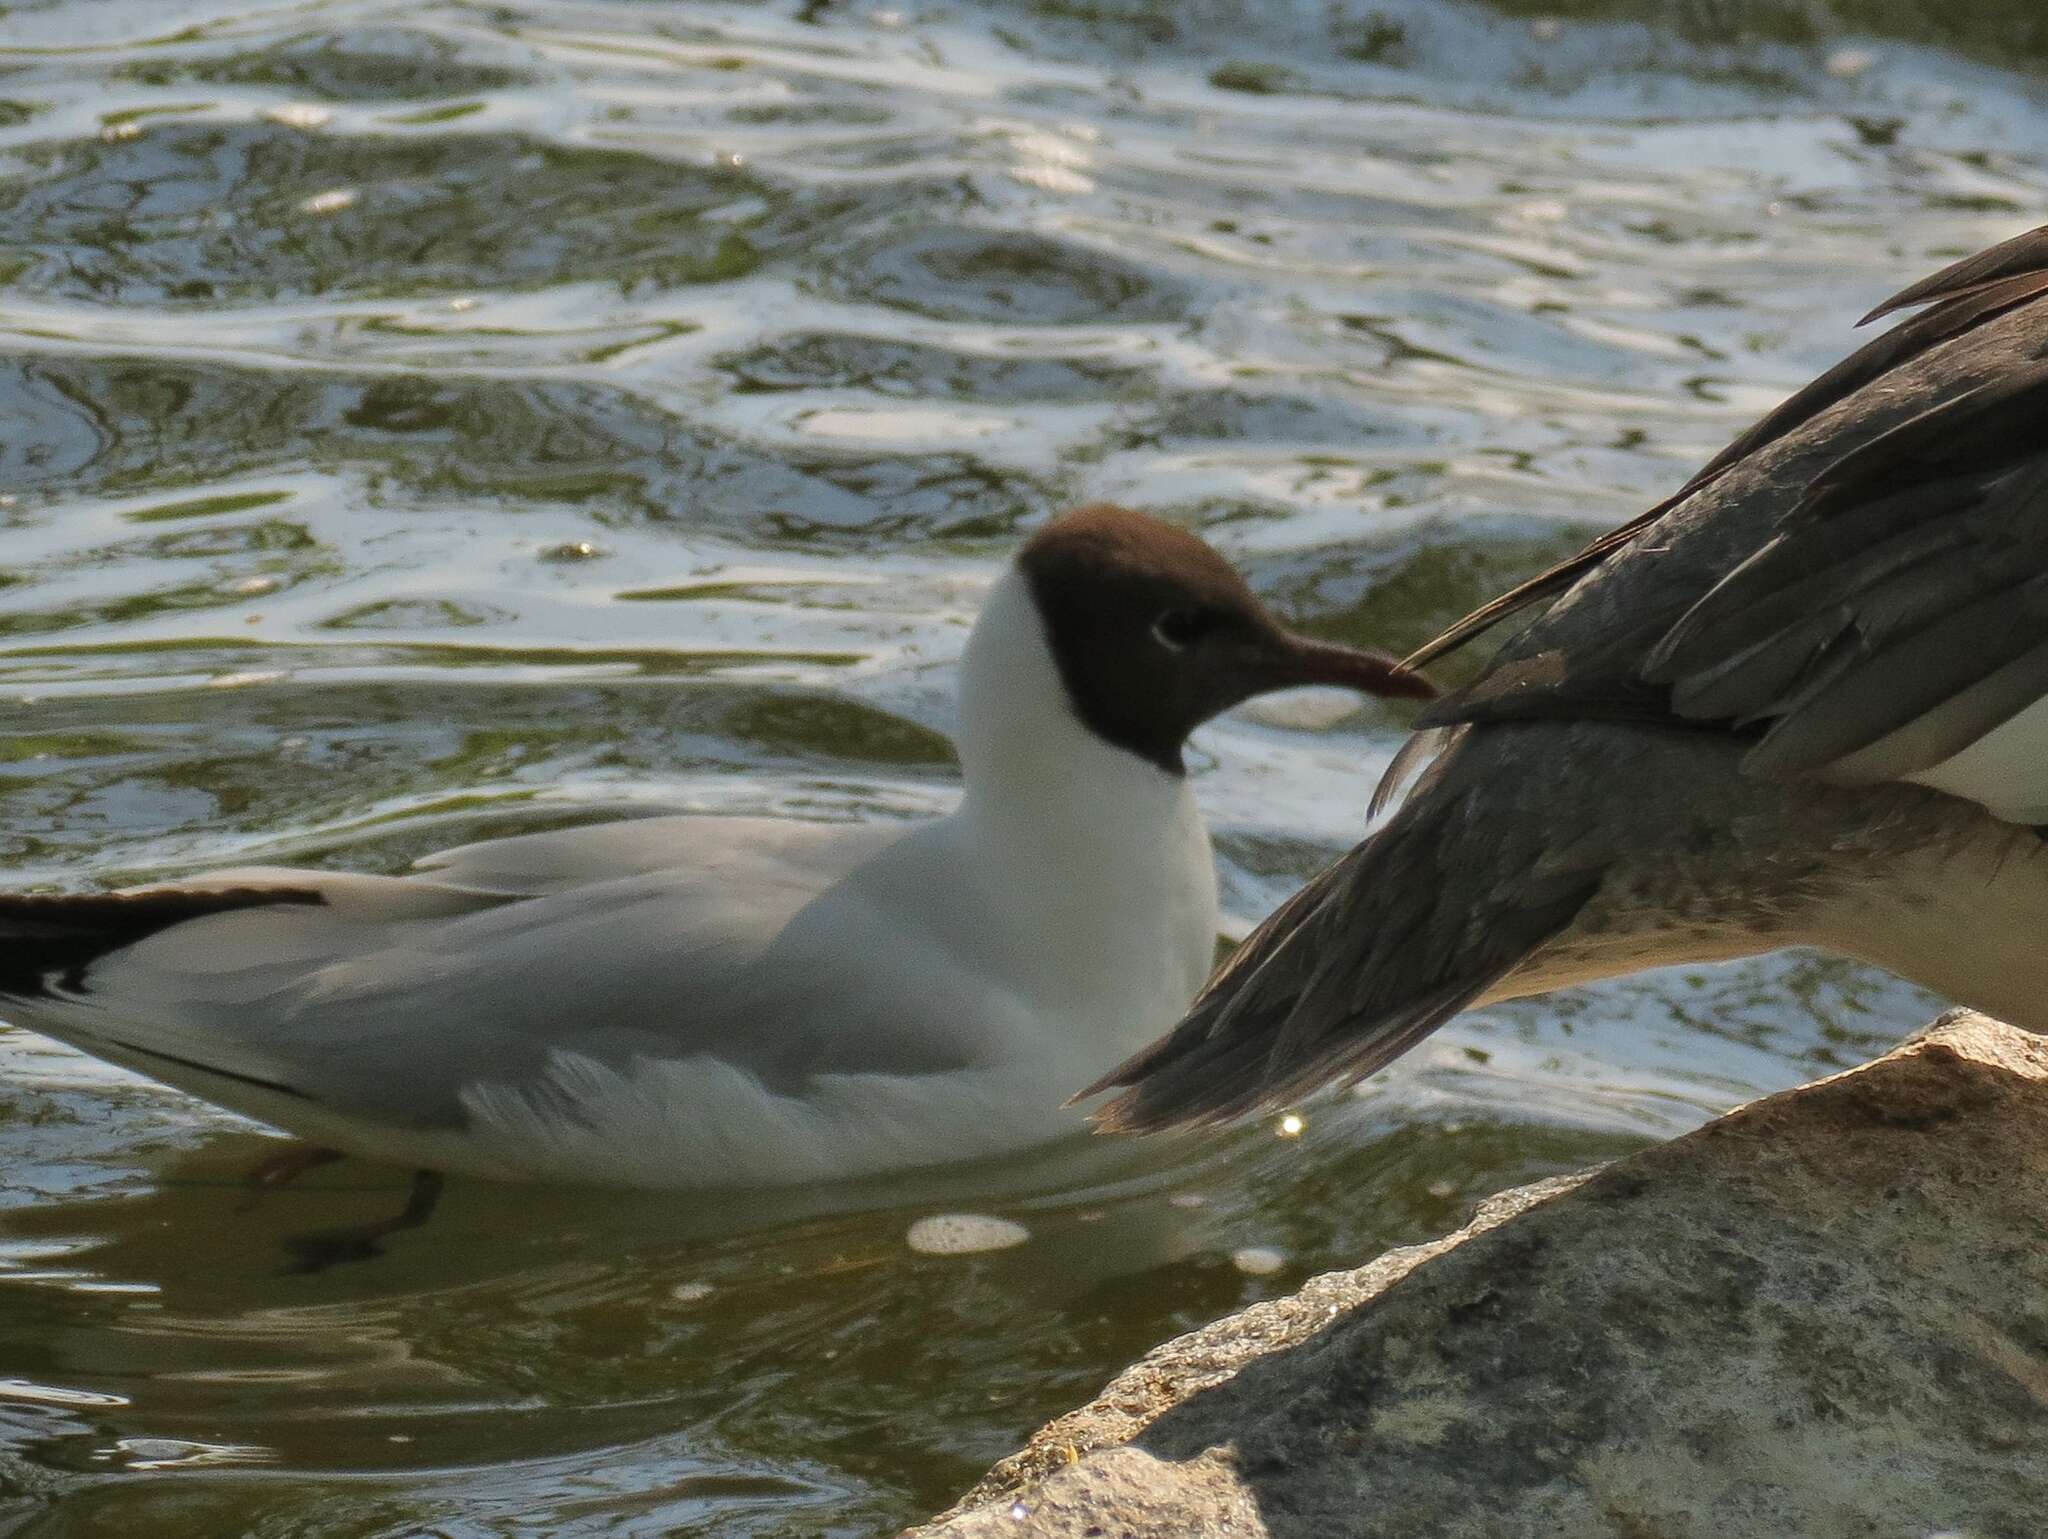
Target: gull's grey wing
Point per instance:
(533, 864)
(389, 997)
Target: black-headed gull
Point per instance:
(737, 1002)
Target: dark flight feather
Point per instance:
(1869, 595)
(49, 941)
(1964, 296)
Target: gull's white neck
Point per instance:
(1099, 861)
(1027, 757)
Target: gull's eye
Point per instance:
(1177, 629)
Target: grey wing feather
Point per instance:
(1913, 498)
(1409, 760)
(532, 864)
(389, 996)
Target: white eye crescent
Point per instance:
(1176, 628)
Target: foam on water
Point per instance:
(964, 1234)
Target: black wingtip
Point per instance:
(48, 941)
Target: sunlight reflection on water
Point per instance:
(433, 422)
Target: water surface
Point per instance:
(436, 420)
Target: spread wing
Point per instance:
(1854, 590)
(1860, 582)
(1961, 297)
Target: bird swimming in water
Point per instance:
(732, 1003)
(1803, 702)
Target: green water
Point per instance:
(431, 420)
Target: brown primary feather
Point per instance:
(1313, 995)
(2024, 254)
(1964, 295)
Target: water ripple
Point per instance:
(433, 421)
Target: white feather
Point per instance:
(2005, 771)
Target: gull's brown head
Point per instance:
(1154, 633)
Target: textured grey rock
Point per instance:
(1824, 1315)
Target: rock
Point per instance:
(1825, 1315)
